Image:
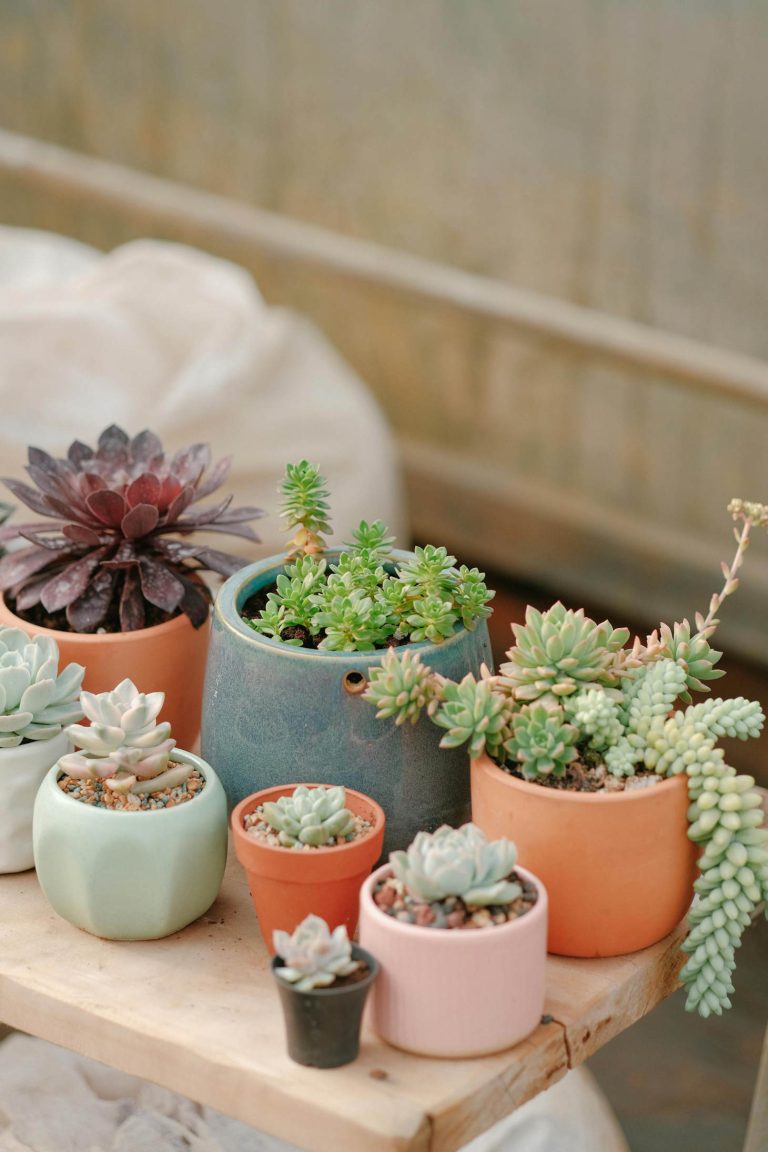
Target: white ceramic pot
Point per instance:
(21, 771)
(131, 875)
(444, 992)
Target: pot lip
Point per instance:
(248, 803)
(230, 595)
(205, 769)
(27, 750)
(440, 938)
(633, 796)
(177, 623)
(330, 992)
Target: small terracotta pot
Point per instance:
(452, 992)
(322, 1026)
(618, 867)
(287, 883)
(167, 658)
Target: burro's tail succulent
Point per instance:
(458, 862)
(314, 956)
(36, 700)
(312, 816)
(123, 745)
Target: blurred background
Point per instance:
(538, 231)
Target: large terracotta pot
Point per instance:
(273, 714)
(131, 875)
(286, 884)
(451, 992)
(619, 868)
(167, 658)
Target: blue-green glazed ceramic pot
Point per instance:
(131, 875)
(274, 714)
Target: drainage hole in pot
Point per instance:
(354, 683)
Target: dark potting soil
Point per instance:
(59, 623)
(588, 775)
(451, 913)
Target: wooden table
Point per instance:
(197, 1013)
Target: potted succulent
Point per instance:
(588, 750)
(323, 982)
(110, 572)
(460, 934)
(36, 701)
(294, 639)
(306, 848)
(130, 833)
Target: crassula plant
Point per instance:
(310, 816)
(36, 700)
(124, 747)
(365, 599)
(575, 700)
(313, 956)
(113, 550)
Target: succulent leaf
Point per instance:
(35, 700)
(313, 816)
(458, 862)
(314, 956)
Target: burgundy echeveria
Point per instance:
(114, 517)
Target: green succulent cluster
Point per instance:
(364, 600)
(312, 816)
(458, 862)
(573, 691)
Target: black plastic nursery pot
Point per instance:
(322, 1027)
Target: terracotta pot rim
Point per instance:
(468, 939)
(634, 795)
(203, 767)
(330, 992)
(174, 624)
(226, 610)
(248, 803)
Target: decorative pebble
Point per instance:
(95, 793)
(258, 829)
(451, 913)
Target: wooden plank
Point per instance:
(197, 1013)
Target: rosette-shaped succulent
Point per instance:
(543, 743)
(400, 687)
(305, 507)
(432, 619)
(472, 712)
(107, 553)
(458, 862)
(123, 745)
(352, 622)
(311, 816)
(36, 701)
(693, 653)
(561, 651)
(371, 541)
(314, 956)
(429, 572)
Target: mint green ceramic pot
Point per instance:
(274, 714)
(131, 875)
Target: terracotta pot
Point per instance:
(448, 992)
(168, 658)
(322, 1026)
(273, 714)
(287, 884)
(619, 868)
(22, 770)
(131, 875)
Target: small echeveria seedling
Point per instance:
(313, 957)
(458, 862)
(36, 700)
(312, 816)
(123, 745)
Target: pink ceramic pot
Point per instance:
(455, 993)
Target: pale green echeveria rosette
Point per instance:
(123, 745)
(313, 956)
(474, 714)
(458, 862)
(543, 743)
(312, 816)
(402, 686)
(36, 701)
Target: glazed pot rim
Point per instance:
(236, 588)
(176, 623)
(248, 803)
(203, 767)
(634, 795)
(330, 992)
(441, 937)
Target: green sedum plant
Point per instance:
(312, 816)
(365, 599)
(458, 862)
(313, 956)
(36, 700)
(574, 692)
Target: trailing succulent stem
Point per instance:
(573, 691)
(363, 600)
